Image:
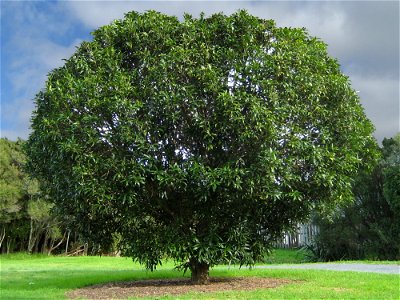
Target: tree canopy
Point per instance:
(201, 139)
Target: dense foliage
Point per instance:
(26, 220)
(369, 227)
(12, 194)
(200, 139)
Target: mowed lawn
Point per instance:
(42, 277)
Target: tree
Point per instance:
(368, 227)
(391, 192)
(25, 217)
(43, 223)
(10, 178)
(391, 165)
(11, 185)
(200, 140)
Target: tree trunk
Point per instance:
(52, 247)
(46, 241)
(9, 243)
(2, 236)
(30, 242)
(85, 249)
(67, 244)
(199, 272)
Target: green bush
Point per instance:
(368, 228)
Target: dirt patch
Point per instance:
(162, 287)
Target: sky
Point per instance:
(363, 35)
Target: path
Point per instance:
(355, 267)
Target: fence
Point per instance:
(304, 235)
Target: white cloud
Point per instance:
(19, 112)
(95, 14)
(28, 77)
(28, 73)
(32, 51)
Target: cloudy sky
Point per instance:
(362, 35)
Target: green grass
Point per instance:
(42, 277)
(285, 256)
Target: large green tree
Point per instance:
(201, 139)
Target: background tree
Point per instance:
(201, 140)
(26, 220)
(391, 192)
(368, 227)
(11, 188)
(391, 174)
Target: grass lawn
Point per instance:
(42, 277)
(285, 256)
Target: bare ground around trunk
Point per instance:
(174, 287)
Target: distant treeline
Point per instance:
(28, 221)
